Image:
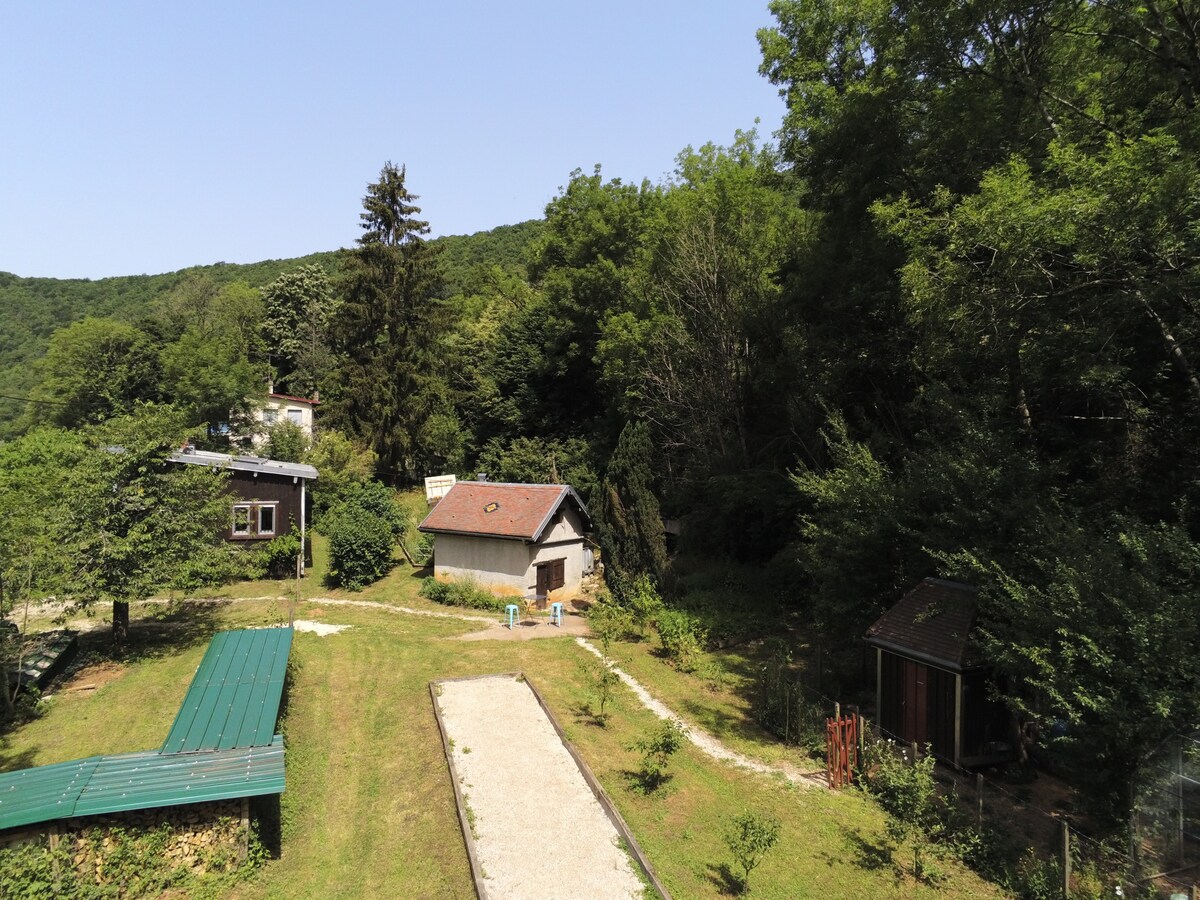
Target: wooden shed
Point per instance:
(931, 686)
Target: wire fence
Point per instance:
(1022, 833)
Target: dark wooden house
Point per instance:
(268, 498)
(931, 686)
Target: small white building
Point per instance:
(283, 408)
(523, 540)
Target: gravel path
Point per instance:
(702, 739)
(539, 831)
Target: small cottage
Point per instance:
(283, 408)
(523, 540)
(931, 687)
(268, 497)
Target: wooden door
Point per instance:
(543, 580)
(915, 714)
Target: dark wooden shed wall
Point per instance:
(917, 705)
(248, 486)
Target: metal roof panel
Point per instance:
(233, 701)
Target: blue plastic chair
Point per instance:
(556, 614)
(511, 612)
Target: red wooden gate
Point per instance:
(841, 739)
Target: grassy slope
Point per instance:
(369, 810)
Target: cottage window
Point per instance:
(269, 416)
(251, 520)
(295, 416)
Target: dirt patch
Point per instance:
(572, 626)
(92, 677)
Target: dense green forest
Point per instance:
(945, 324)
(33, 308)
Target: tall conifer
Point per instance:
(387, 326)
(630, 524)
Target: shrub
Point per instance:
(360, 547)
(32, 871)
(781, 706)
(343, 465)
(908, 792)
(286, 442)
(683, 636)
(461, 592)
(643, 601)
(656, 749)
(362, 531)
(602, 683)
(372, 498)
(749, 836)
(609, 621)
(278, 557)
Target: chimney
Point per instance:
(481, 476)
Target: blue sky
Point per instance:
(146, 137)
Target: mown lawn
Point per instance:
(369, 809)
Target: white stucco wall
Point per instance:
(498, 565)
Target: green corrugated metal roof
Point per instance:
(47, 792)
(146, 780)
(234, 699)
(222, 745)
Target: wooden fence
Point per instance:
(841, 741)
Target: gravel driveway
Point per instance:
(538, 830)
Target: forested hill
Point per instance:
(32, 308)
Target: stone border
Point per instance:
(631, 845)
(459, 803)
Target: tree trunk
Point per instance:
(1174, 350)
(120, 628)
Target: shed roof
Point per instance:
(932, 622)
(222, 745)
(499, 510)
(105, 784)
(233, 699)
(244, 463)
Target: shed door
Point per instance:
(916, 696)
(550, 575)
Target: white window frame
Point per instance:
(253, 521)
(247, 522)
(296, 417)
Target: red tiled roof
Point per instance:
(494, 509)
(932, 621)
(309, 400)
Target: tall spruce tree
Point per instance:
(627, 514)
(386, 329)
